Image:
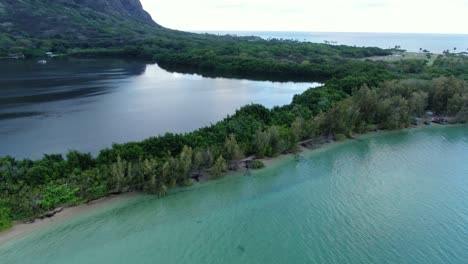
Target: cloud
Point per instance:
(373, 4)
(424, 16)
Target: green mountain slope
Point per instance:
(49, 24)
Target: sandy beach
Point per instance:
(21, 229)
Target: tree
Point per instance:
(198, 161)
(418, 103)
(312, 126)
(393, 113)
(232, 150)
(455, 104)
(262, 143)
(155, 178)
(298, 129)
(5, 219)
(366, 100)
(280, 140)
(442, 90)
(149, 172)
(82, 161)
(219, 167)
(341, 119)
(462, 116)
(208, 158)
(185, 164)
(169, 171)
(92, 184)
(121, 175)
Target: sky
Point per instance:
(402, 16)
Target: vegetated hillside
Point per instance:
(26, 25)
(122, 28)
(131, 9)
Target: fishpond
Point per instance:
(87, 105)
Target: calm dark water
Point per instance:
(393, 198)
(436, 43)
(89, 104)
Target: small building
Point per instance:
(440, 120)
(51, 54)
(16, 56)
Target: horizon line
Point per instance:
(319, 31)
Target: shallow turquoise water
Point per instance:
(393, 198)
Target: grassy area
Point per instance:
(406, 56)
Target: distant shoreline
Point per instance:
(411, 42)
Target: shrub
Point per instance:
(57, 194)
(5, 220)
(340, 137)
(256, 165)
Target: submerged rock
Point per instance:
(50, 214)
(241, 248)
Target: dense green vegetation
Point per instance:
(5, 219)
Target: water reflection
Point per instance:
(89, 104)
(29, 83)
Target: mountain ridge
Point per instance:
(32, 24)
(128, 8)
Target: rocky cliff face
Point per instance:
(127, 8)
(28, 13)
(25, 23)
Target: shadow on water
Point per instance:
(4, 116)
(236, 75)
(26, 83)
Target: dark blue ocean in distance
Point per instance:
(435, 43)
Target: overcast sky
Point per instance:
(413, 16)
